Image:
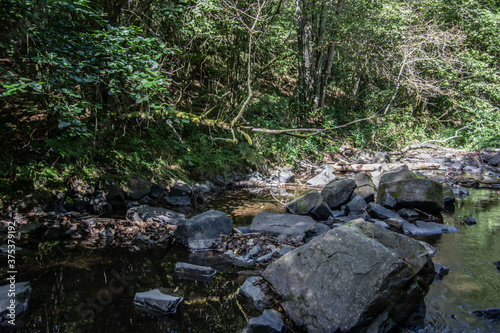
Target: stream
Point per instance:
(77, 289)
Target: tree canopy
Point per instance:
(180, 87)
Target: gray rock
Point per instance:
(356, 205)
(424, 194)
(269, 322)
(194, 272)
(388, 201)
(431, 250)
(408, 213)
(254, 293)
(396, 174)
(52, 233)
(112, 192)
(178, 201)
(284, 176)
(156, 191)
(107, 233)
(142, 241)
(201, 231)
(379, 212)
(325, 177)
(457, 166)
(421, 228)
(243, 230)
(137, 188)
(365, 187)
(440, 270)
(158, 300)
(460, 192)
(472, 169)
(179, 189)
(320, 229)
(380, 223)
(448, 195)
(441, 160)
(146, 213)
(284, 250)
(353, 278)
(253, 252)
(338, 192)
(16, 310)
(495, 160)
(99, 206)
(310, 203)
(265, 258)
(277, 224)
(239, 261)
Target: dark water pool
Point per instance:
(86, 290)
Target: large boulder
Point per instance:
(338, 192)
(145, 213)
(357, 278)
(278, 224)
(310, 203)
(200, 232)
(424, 194)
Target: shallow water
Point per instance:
(473, 282)
(85, 290)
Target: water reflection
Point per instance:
(474, 282)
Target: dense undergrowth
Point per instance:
(97, 88)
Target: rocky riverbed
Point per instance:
(364, 199)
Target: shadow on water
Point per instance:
(473, 282)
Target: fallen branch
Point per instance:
(379, 166)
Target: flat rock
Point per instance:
(194, 272)
(145, 213)
(322, 179)
(158, 301)
(421, 228)
(396, 174)
(278, 224)
(356, 205)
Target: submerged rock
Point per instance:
(353, 278)
(470, 221)
(194, 272)
(201, 232)
(421, 228)
(158, 301)
(441, 270)
(490, 313)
